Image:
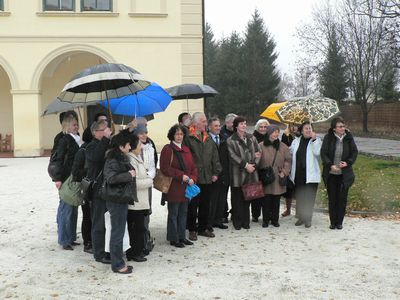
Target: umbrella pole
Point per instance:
(80, 117)
(109, 109)
(187, 104)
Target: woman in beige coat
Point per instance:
(137, 212)
(281, 166)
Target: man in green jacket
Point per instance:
(206, 159)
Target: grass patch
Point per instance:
(376, 188)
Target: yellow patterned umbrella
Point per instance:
(270, 111)
(313, 109)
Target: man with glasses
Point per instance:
(95, 159)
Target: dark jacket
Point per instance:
(79, 169)
(223, 155)
(65, 151)
(226, 133)
(95, 159)
(205, 155)
(287, 139)
(349, 155)
(177, 188)
(241, 153)
(116, 170)
(259, 136)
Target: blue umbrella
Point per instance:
(151, 100)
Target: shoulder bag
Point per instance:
(162, 182)
(267, 175)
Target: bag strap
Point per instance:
(180, 159)
(273, 162)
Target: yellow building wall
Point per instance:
(161, 39)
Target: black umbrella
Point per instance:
(103, 82)
(191, 91)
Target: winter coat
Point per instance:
(287, 139)
(205, 155)
(241, 153)
(349, 155)
(226, 133)
(95, 159)
(313, 172)
(116, 169)
(258, 136)
(283, 161)
(177, 189)
(64, 152)
(143, 183)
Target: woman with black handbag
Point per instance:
(118, 190)
(275, 155)
(244, 156)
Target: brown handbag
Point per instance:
(253, 191)
(162, 182)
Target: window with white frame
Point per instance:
(96, 5)
(58, 5)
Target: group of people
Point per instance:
(216, 158)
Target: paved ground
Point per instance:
(381, 147)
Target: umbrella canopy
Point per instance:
(151, 100)
(102, 82)
(57, 106)
(270, 111)
(313, 109)
(191, 91)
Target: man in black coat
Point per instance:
(220, 187)
(95, 159)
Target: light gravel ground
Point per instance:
(360, 262)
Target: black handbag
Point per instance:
(86, 187)
(119, 193)
(267, 175)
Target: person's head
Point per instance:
(272, 132)
(99, 129)
(306, 129)
(136, 145)
(121, 143)
(261, 126)
(184, 119)
(141, 121)
(100, 117)
(229, 121)
(338, 126)
(214, 126)
(141, 133)
(239, 125)
(199, 121)
(291, 129)
(175, 133)
(66, 114)
(70, 125)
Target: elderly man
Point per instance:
(205, 154)
(95, 159)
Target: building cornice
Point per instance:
(5, 13)
(25, 92)
(76, 14)
(148, 15)
(99, 39)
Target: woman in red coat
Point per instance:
(176, 161)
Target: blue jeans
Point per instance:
(118, 214)
(67, 217)
(98, 209)
(177, 217)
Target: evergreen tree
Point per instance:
(333, 80)
(228, 78)
(211, 49)
(387, 88)
(260, 76)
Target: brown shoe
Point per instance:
(207, 233)
(286, 213)
(193, 235)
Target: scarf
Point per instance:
(192, 132)
(77, 138)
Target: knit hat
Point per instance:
(271, 128)
(140, 129)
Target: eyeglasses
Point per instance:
(340, 126)
(263, 127)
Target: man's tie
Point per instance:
(217, 140)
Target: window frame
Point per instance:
(60, 9)
(2, 5)
(95, 10)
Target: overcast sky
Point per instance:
(280, 17)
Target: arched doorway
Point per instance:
(6, 105)
(53, 78)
